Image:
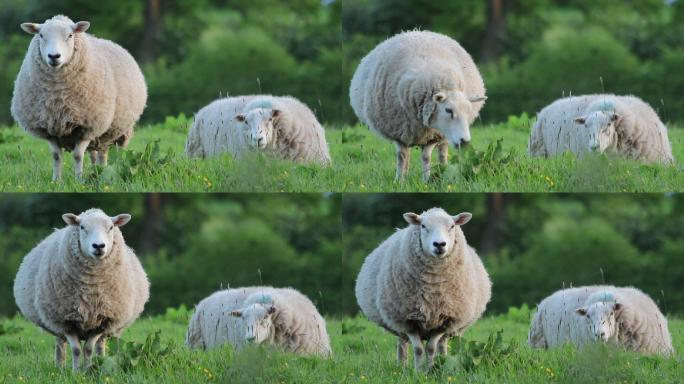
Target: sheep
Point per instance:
(82, 282)
(259, 315)
(77, 92)
(418, 88)
(601, 123)
(424, 283)
(280, 126)
(622, 316)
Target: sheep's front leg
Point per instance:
(443, 149)
(89, 348)
(403, 158)
(79, 152)
(402, 351)
(443, 345)
(426, 158)
(418, 350)
(432, 348)
(101, 346)
(60, 349)
(56, 160)
(75, 345)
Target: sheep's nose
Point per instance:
(250, 338)
(439, 244)
(98, 246)
(54, 57)
(603, 334)
(260, 140)
(464, 143)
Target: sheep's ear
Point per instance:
(475, 99)
(71, 219)
(276, 113)
(439, 97)
(271, 310)
(235, 314)
(31, 28)
(81, 26)
(240, 118)
(412, 218)
(581, 311)
(121, 220)
(617, 307)
(427, 111)
(462, 218)
(580, 120)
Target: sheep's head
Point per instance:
(96, 231)
(601, 319)
(259, 126)
(450, 113)
(600, 130)
(257, 321)
(56, 39)
(439, 232)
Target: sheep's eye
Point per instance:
(110, 228)
(82, 227)
(422, 226)
(70, 36)
(41, 35)
(453, 226)
(449, 110)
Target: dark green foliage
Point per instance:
(473, 354)
(126, 356)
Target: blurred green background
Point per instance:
(191, 51)
(534, 244)
(193, 244)
(531, 52)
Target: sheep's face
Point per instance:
(96, 231)
(452, 115)
(258, 124)
(257, 321)
(600, 131)
(601, 319)
(56, 39)
(439, 232)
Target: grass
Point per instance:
(363, 353)
(362, 162)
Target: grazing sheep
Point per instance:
(601, 123)
(622, 316)
(257, 315)
(424, 283)
(82, 283)
(282, 127)
(418, 88)
(77, 92)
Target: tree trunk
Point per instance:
(152, 223)
(496, 30)
(496, 214)
(151, 32)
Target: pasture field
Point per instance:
(363, 353)
(497, 161)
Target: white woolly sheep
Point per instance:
(621, 316)
(418, 88)
(259, 315)
(82, 283)
(601, 123)
(282, 127)
(77, 92)
(424, 283)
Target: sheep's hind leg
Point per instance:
(402, 351)
(403, 158)
(93, 156)
(418, 350)
(75, 344)
(443, 153)
(426, 158)
(88, 349)
(60, 349)
(432, 348)
(79, 152)
(102, 157)
(101, 346)
(56, 160)
(443, 345)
